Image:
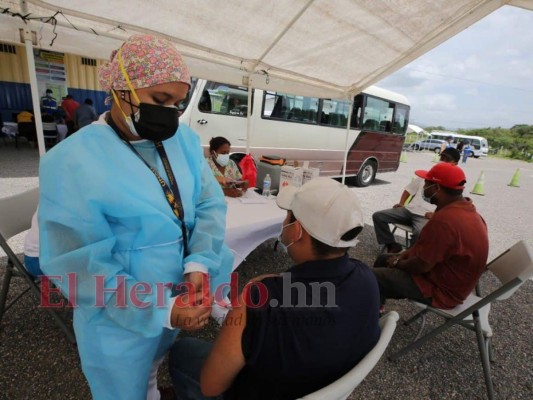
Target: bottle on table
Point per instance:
(266, 185)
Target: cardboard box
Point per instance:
(290, 176)
(310, 173)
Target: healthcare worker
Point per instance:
(128, 207)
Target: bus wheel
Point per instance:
(366, 175)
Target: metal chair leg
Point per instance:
(489, 349)
(5, 288)
(415, 317)
(428, 336)
(484, 356)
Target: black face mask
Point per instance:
(156, 123)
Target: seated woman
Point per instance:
(225, 170)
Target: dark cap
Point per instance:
(451, 153)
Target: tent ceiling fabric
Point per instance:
(326, 48)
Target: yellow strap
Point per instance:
(118, 102)
(125, 74)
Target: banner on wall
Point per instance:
(51, 78)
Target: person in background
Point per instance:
(460, 146)
(49, 103)
(69, 106)
(415, 213)
(85, 114)
(296, 341)
(224, 168)
(466, 152)
(25, 117)
(447, 143)
(442, 268)
(130, 208)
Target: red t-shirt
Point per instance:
(455, 243)
(69, 106)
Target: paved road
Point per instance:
(36, 361)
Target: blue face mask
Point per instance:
(426, 198)
(285, 247)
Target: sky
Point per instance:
(482, 77)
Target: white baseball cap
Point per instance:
(327, 209)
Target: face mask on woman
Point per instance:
(153, 122)
(150, 121)
(222, 159)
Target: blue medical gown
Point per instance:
(103, 217)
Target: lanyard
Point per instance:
(172, 194)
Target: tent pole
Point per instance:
(248, 113)
(346, 149)
(33, 84)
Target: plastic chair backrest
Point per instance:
(515, 263)
(16, 212)
(344, 386)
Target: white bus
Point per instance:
(479, 145)
(300, 128)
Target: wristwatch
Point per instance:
(395, 262)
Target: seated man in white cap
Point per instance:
(292, 334)
(444, 265)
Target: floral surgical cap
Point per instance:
(148, 60)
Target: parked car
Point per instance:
(429, 144)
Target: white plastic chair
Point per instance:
(513, 267)
(344, 386)
(15, 217)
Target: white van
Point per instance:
(478, 144)
(300, 128)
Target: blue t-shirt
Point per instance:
(290, 350)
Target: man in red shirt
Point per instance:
(444, 265)
(69, 106)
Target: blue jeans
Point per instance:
(33, 266)
(187, 356)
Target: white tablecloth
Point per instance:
(249, 225)
(11, 129)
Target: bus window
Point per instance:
(334, 113)
(378, 114)
(290, 107)
(401, 116)
(219, 98)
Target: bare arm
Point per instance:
(226, 358)
(403, 199)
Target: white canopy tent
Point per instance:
(323, 48)
(421, 134)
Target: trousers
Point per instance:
(399, 215)
(396, 284)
